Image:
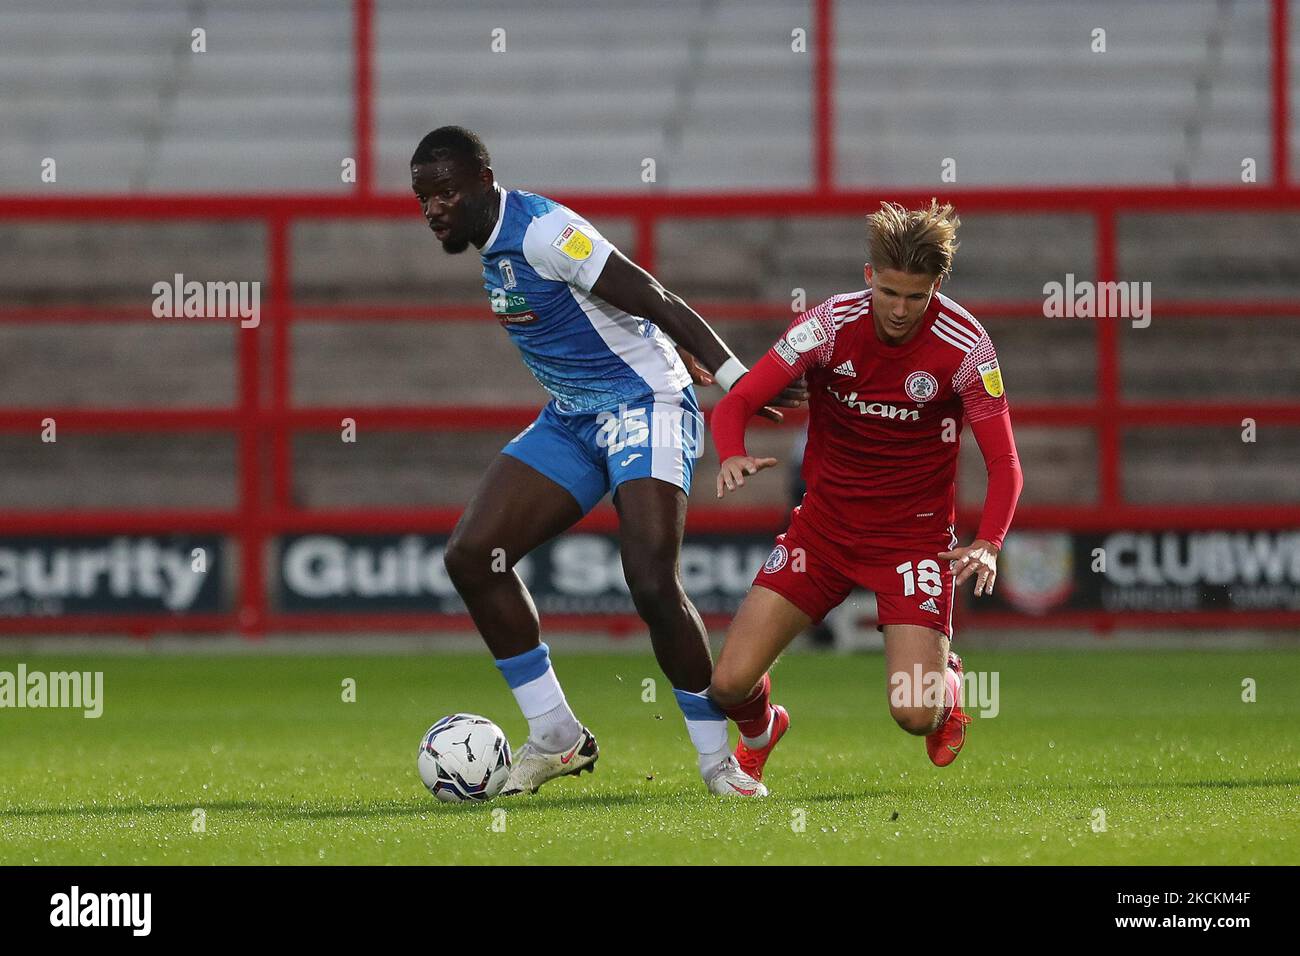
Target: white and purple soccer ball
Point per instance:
(464, 758)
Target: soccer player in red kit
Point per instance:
(891, 370)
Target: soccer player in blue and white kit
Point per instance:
(618, 353)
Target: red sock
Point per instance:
(754, 714)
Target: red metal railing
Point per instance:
(1281, 112)
(265, 420)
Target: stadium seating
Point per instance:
(713, 92)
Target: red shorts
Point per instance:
(912, 585)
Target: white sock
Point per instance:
(710, 739)
(556, 730)
(552, 726)
(709, 762)
(759, 742)
(706, 725)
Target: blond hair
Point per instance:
(921, 241)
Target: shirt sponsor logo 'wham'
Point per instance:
(878, 409)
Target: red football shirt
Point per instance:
(884, 421)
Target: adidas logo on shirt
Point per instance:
(929, 605)
(844, 368)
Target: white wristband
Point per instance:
(729, 373)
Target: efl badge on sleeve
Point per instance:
(574, 243)
(992, 376)
(806, 336)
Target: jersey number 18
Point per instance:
(926, 577)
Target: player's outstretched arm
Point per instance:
(627, 286)
(980, 557)
(727, 424)
(732, 472)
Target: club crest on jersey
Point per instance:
(776, 560)
(507, 274)
(991, 375)
(806, 336)
(574, 243)
(921, 386)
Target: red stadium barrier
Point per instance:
(263, 419)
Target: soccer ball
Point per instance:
(464, 758)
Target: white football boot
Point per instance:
(728, 780)
(533, 767)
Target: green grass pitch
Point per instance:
(285, 771)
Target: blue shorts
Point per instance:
(592, 453)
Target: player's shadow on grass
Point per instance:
(1143, 784)
(902, 789)
(414, 806)
(839, 796)
(1288, 782)
(418, 806)
(541, 803)
(129, 809)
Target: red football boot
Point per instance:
(751, 761)
(945, 744)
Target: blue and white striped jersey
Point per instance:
(539, 265)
